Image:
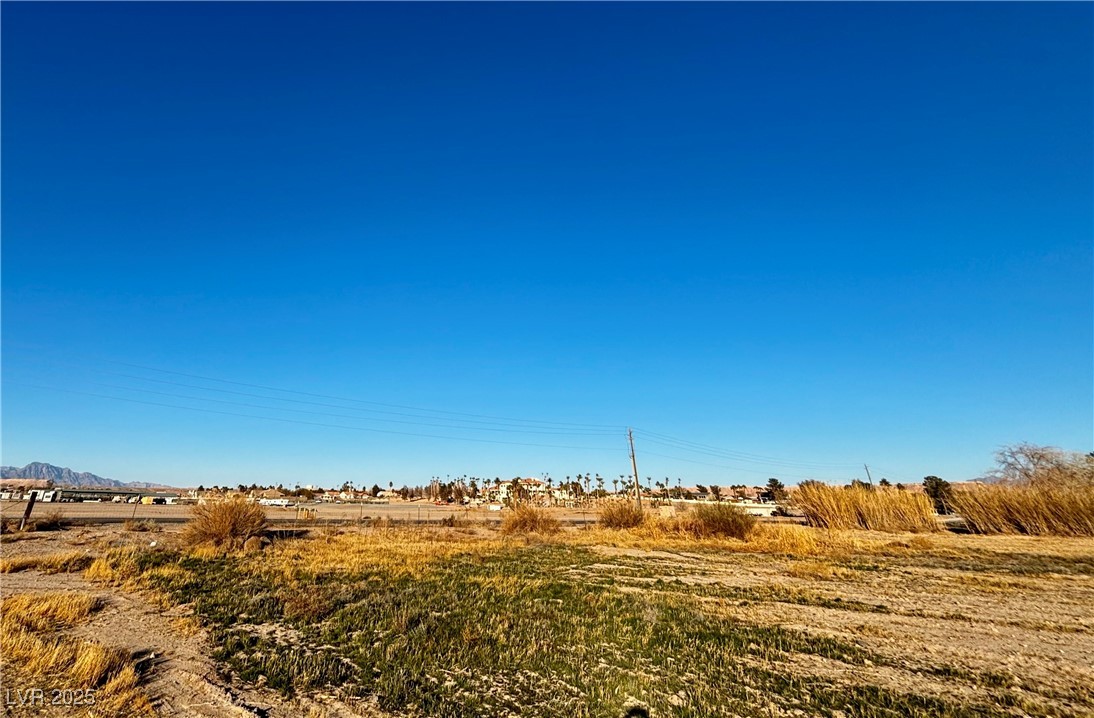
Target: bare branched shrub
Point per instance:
(528, 519)
(225, 523)
(1038, 490)
(1028, 464)
(621, 515)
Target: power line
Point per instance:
(695, 447)
(724, 466)
(313, 423)
(345, 416)
(357, 401)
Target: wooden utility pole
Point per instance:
(868, 477)
(26, 514)
(634, 468)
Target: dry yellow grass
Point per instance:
(784, 539)
(873, 509)
(820, 570)
(46, 611)
(405, 551)
(68, 561)
(117, 567)
(1036, 509)
(34, 646)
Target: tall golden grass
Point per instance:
(874, 509)
(1036, 509)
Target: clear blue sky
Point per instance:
(827, 234)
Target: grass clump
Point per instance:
(225, 523)
(140, 525)
(621, 515)
(724, 520)
(527, 519)
(864, 507)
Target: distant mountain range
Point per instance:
(38, 471)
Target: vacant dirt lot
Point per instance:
(927, 625)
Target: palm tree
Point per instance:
(615, 485)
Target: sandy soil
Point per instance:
(1019, 616)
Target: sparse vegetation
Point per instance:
(446, 621)
(860, 506)
(140, 525)
(226, 524)
(452, 625)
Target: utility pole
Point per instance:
(634, 468)
(868, 477)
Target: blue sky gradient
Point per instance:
(827, 234)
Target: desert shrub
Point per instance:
(621, 515)
(722, 520)
(225, 523)
(874, 509)
(1037, 509)
(529, 519)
